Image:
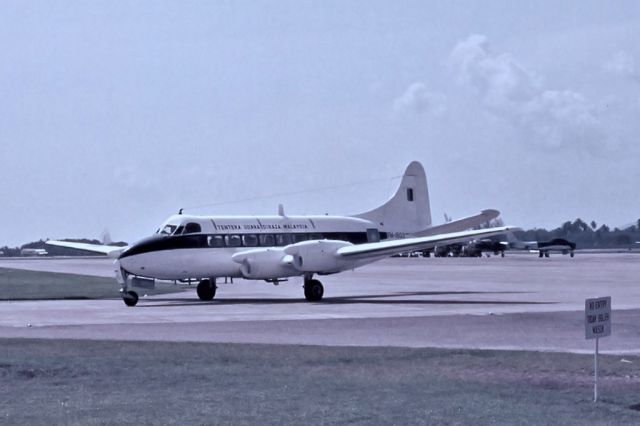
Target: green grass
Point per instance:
(17, 284)
(92, 382)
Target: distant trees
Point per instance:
(10, 251)
(586, 235)
(623, 239)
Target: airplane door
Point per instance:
(373, 235)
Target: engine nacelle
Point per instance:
(264, 264)
(318, 256)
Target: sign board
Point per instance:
(597, 319)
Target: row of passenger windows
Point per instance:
(271, 240)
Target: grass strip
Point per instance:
(98, 382)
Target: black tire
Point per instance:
(313, 290)
(130, 298)
(206, 290)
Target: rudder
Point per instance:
(408, 211)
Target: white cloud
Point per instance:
(622, 64)
(498, 78)
(419, 99)
(560, 118)
(549, 118)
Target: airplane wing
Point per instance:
(390, 247)
(111, 251)
(460, 224)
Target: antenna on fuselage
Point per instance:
(180, 211)
(281, 210)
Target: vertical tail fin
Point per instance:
(408, 211)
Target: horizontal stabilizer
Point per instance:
(460, 224)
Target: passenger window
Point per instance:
(250, 240)
(283, 239)
(373, 235)
(215, 241)
(192, 228)
(267, 240)
(233, 240)
(297, 238)
(315, 237)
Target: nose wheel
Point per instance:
(313, 290)
(206, 289)
(130, 298)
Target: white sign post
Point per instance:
(597, 323)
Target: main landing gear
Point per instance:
(206, 289)
(313, 290)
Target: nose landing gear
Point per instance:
(129, 297)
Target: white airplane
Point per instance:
(273, 248)
(33, 252)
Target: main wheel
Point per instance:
(206, 289)
(313, 290)
(130, 298)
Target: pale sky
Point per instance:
(116, 114)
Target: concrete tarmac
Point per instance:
(516, 302)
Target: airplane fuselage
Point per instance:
(198, 246)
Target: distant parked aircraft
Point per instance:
(33, 252)
(544, 248)
(477, 247)
(557, 245)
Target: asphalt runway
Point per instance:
(516, 302)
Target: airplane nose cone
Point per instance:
(145, 245)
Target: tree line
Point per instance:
(587, 235)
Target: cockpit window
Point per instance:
(168, 229)
(192, 228)
(179, 230)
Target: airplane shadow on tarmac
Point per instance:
(379, 299)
